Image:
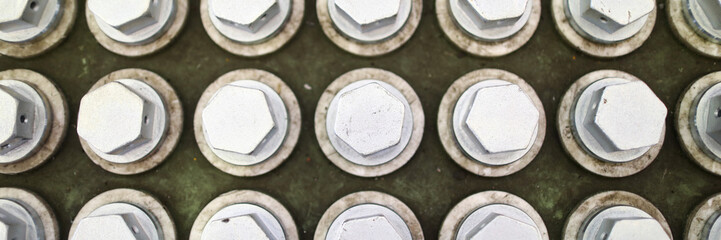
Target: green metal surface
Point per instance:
(430, 184)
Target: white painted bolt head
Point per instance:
(503, 118)
(110, 227)
(629, 116)
(369, 15)
(497, 226)
(713, 120)
(114, 119)
(632, 228)
(237, 119)
(374, 227)
(16, 119)
(248, 15)
(20, 14)
(127, 16)
(369, 119)
(498, 10)
(4, 231)
(612, 15)
(240, 227)
(711, 9)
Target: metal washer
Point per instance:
(572, 146)
(140, 199)
(57, 108)
(245, 197)
(32, 200)
(380, 75)
(368, 197)
(705, 211)
(601, 201)
(684, 111)
(128, 50)
(480, 48)
(173, 130)
(457, 215)
(369, 49)
(257, 49)
(596, 49)
(48, 40)
(684, 31)
(445, 123)
(294, 123)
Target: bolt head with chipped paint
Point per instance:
(114, 227)
(239, 227)
(368, 15)
(498, 10)
(612, 15)
(373, 227)
(635, 228)
(497, 226)
(248, 15)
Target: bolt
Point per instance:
(495, 13)
(237, 119)
(713, 120)
(4, 231)
(503, 118)
(116, 226)
(239, 227)
(373, 227)
(628, 116)
(612, 15)
(127, 16)
(369, 15)
(20, 14)
(711, 9)
(497, 226)
(369, 119)
(15, 221)
(631, 228)
(114, 119)
(248, 15)
(16, 119)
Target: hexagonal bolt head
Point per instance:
(111, 227)
(237, 119)
(240, 227)
(712, 8)
(369, 15)
(496, 226)
(11, 226)
(20, 14)
(612, 15)
(16, 119)
(374, 227)
(127, 16)
(248, 15)
(626, 116)
(369, 119)
(631, 228)
(114, 119)
(503, 118)
(495, 13)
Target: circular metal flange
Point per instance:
(596, 49)
(57, 110)
(685, 125)
(34, 202)
(697, 224)
(267, 46)
(573, 146)
(448, 138)
(131, 50)
(48, 40)
(173, 130)
(291, 138)
(139, 199)
(469, 205)
(391, 79)
(683, 30)
(601, 201)
(245, 197)
(481, 48)
(365, 198)
(369, 49)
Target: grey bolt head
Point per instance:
(4, 231)
(20, 14)
(628, 116)
(239, 227)
(248, 15)
(369, 119)
(373, 227)
(503, 118)
(711, 9)
(498, 10)
(497, 226)
(368, 15)
(612, 15)
(237, 119)
(12, 226)
(16, 119)
(114, 119)
(110, 227)
(713, 120)
(127, 16)
(632, 228)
